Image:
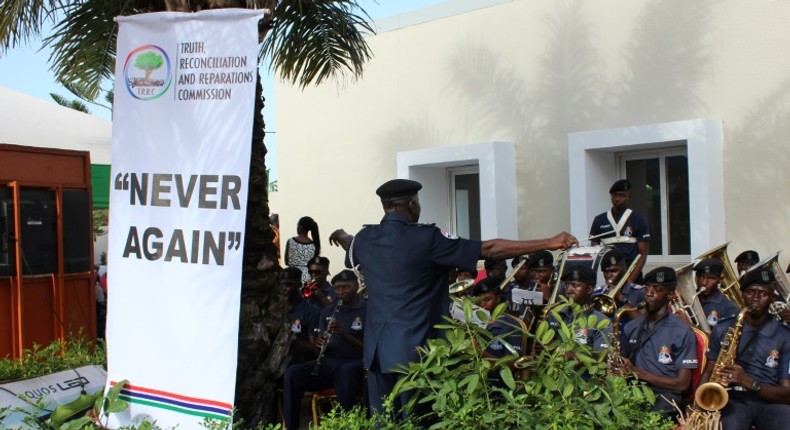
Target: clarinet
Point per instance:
(326, 335)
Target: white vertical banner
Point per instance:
(182, 130)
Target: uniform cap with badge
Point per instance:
(489, 285)
(612, 257)
(345, 275)
(709, 266)
(620, 185)
(540, 259)
(580, 273)
(748, 257)
(662, 276)
(761, 276)
(396, 189)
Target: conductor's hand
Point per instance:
(340, 238)
(563, 240)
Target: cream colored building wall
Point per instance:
(531, 72)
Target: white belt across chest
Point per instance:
(617, 227)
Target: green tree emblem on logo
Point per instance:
(148, 62)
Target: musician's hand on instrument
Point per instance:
(784, 315)
(335, 328)
(735, 375)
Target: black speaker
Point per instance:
(77, 235)
(38, 216)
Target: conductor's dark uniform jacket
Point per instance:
(405, 265)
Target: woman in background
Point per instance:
(300, 249)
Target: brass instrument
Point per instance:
(686, 301)
(326, 336)
(606, 303)
(713, 395)
(512, 274)
(731, 289)
(459, 288)
(614, 359)
(554, 282)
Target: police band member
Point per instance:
(718, 308)
(405, 265)
(341, 365)
(613, 268)
(760, 376)
(579, 283)
(302, 315)
(521, 281)
(506, 327)
(318, 269)
(745, 260)
(627, 230)
(540, 272)
(659, 348)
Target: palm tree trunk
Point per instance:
(263, 330)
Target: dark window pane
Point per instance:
(645, 181)
(678, 205)
(468, 209)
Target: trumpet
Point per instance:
(606, 303)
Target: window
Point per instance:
(465, 202)
(660, 192)
(668, 156)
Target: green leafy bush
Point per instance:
(76, 351)
(567, 387)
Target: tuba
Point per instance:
(686, 298)
(732, 289)
(606, 303)
(712, 395)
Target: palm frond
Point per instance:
(313, 41)
(84, 43)
(73, 104)
(21, 20)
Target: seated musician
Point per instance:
(659, 348)
(506, 326)
(521, 280)
(718, 308)
(579, 284)
(302, 315)
(760, 375)
(541, 269)
(614, 268)
(323, 293)
(745, 260)
(340, 365)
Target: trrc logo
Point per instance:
(147, 72)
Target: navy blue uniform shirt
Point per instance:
(718, 308)
(596, 339)
(671, 347)
(509, 329)
(304, 322)
(766, 358)
(636, 227)
(352, 320)
(405, 266)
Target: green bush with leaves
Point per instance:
(75, 352)
(567, 387)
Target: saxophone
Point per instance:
(614, 359)
(712, 395)
(326, 335)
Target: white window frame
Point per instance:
(661, 154)
(496, 163)
(592, 168)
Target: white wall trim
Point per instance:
(592, 170)
(496, 162)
